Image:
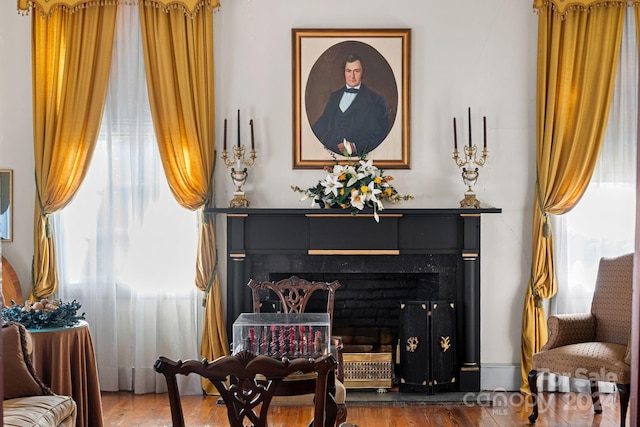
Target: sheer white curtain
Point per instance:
(126, 249)
(603, 222)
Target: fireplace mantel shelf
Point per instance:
(387, 211)
(261, 241)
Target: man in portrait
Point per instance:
(353, 114)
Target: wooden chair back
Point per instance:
(293, 293)
(247, 383)
(11, 289)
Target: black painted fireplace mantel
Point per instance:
(294, 241)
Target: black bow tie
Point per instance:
(351, 90)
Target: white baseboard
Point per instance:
(500, 376)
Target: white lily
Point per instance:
(357, 199)
(373, 191)
(354, 175)
(338, 170)
(331, 185)
(366, 166)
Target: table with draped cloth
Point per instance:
(65, 360)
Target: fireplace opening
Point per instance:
(366, 311)
(368, 315)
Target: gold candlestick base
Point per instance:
(239, 201)
(470, 201)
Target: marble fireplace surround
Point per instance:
(423, 254)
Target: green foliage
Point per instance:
(43, 314)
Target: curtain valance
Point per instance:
(562, 6)
(46, 7)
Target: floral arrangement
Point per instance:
(43, 314)
(355, 185)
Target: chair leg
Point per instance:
(624, 390)
(332, 413)
(331, 409)
(533, 386)
(342, 414)
(595, 397)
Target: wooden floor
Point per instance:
(507, 409)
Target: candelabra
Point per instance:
(469, 162)
(239, 173)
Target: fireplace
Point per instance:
(411, 254)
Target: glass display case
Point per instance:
(279, 334)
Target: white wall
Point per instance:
(16, 134)
(465, 53)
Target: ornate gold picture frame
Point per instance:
(319, 71)
(6, 205)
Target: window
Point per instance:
(126, 249)
(603, 222)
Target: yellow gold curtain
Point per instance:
(561, 7)
(577, 61)
(637, 14)
(178, 52)
(47, 7)
(71, 54)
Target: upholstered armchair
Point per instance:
(596, 345)
(28, 401)
(293, 295)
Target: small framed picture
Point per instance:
(6, 205)
(351, 91)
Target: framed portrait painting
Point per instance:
(351, 89)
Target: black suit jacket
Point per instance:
(365, 122)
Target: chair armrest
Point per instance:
(336, 349)
(565, 329)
